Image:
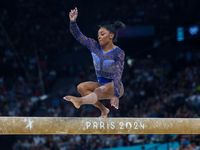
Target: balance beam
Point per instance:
(74, 125)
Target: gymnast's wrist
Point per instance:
(116, 96)
(73, 20)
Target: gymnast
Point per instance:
(108, 61)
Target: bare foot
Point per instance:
(75, 100)
(104, 113)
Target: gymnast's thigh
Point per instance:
(90, 85)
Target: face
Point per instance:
(104, 36)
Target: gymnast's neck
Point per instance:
(108, 47)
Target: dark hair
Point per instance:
(113, 28)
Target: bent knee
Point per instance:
(103, 89)
(81, 87)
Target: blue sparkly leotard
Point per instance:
(108, 66)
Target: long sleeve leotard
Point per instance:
(109, 65)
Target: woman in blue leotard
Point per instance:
(108, 61)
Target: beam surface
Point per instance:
(75, 125)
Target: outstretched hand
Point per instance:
(115, 102)
(73, 14)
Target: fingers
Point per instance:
(74, 10)
(73, 13)
(70, 14)
(115, 104)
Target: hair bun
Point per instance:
(119, 25)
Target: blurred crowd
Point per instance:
(34, 36)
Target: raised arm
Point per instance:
(79, 36)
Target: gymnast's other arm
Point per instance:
(117, 79)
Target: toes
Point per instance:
(66, 98)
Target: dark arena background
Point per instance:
(41, 62)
